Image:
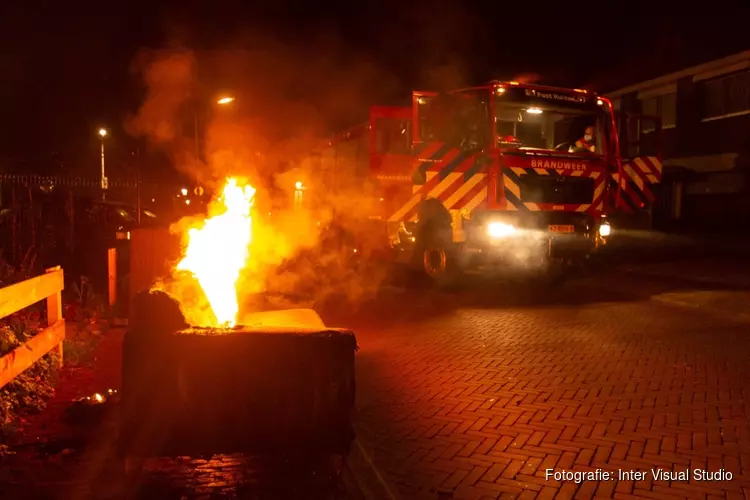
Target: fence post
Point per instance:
(112, 278)
(54, 314)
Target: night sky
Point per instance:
(68, 67)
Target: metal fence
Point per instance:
(63, 181)
(47, 221)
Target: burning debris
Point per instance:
(203, 373)
(98, 397)
(216, 251)
(92, 409)
(195, 382)
(235, 256)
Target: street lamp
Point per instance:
(102, 135)
(222, 101)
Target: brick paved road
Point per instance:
(475, 396)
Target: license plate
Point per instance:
(561, 229)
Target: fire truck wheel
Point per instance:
(435, 261)
(435, 257)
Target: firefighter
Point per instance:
(588, 141)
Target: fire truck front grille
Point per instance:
(556, 189)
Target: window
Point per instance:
(668, 110)
(392, 136)
(473, 125)
(650, 106)
(430, 119)
(461, 119)
(726, 95)
(525, 119)
(662, 106)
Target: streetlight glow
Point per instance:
(105, 182)
(225, 100)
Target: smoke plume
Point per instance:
(169, 77)
(288, 100)
(264, 136)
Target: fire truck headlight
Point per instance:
(605, 230)
(500, 230)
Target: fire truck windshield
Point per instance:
(529, 119)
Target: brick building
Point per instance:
(705, 116)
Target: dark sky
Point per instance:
(67, 65)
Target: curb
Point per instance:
(725, 314)
(698, 280)
(370, 482)
(673, 299)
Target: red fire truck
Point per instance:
(504, 177)
(363, 173)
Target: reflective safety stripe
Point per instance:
(512, 179)
(444, 173)
(635, 189)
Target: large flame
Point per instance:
(217, 251)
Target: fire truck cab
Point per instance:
(507, 177)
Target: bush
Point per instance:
(78, 348)
(29, 391)
(82, 304)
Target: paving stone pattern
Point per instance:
(478, 401)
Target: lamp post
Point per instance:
(222, 101)
(102, 135)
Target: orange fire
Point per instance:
(218, 250)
